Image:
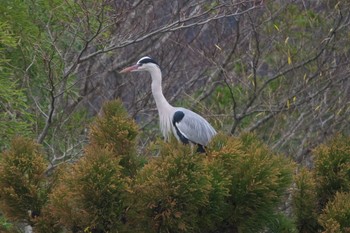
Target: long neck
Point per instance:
(161, 102)
(164, 108)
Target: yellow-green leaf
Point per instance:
(287, 39)
(289, 58)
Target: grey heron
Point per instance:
(186, 125)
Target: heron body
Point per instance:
(186, 125)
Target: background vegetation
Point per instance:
(271, 76)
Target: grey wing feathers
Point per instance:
(195, 128)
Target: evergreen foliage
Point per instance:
(238, 186)
(23, 185)
(281, 223)
(304, 201)
(320, 198)
(115, 131)
(90, 194)
(173, 192)
(258, 181)
(332, 168)
(336, 215)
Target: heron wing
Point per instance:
(195, 128)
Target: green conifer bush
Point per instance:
(281, 223)
(114, 130)
(305, 201)
(236, 187)
(258, 182)
(320, 197)
(23, 185)
(173, 191)
(332, 168)
(336, 215)
(90, 193)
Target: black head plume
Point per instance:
(146, 60)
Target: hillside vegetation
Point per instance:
(80, 147)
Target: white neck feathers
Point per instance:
(165, 110)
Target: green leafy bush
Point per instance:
(14, 113)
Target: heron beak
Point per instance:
(129, 69)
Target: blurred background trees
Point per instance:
(275, 68)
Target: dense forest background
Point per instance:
(273, 77)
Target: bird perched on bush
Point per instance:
(186, 125)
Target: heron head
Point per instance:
(144, 64)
